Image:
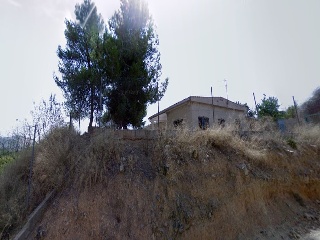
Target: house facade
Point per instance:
(199, 113)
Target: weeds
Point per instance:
(308, 134)
(13, 189)
(4, 160)
(292, 143)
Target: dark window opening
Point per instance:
(177, 123)
(203, 122)
(221, 122)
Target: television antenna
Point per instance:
(226, 85)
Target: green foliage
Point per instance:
(269, 107)
(81, 80)
(13, 189)
(292, 143)
(4, 160)
(117, 66)
(290, 112)
(137, 69)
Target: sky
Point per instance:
(269, 47)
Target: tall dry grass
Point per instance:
(265, 151)
(308, 133)
(99, 159)
(251, 144)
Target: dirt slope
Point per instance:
(193, 189)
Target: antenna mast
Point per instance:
(212, 107)
(226, 85)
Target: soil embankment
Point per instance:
(196, 186)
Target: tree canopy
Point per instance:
(312, 105)
(269, 107)
(116, 66)
(80, 79)
(137, 68)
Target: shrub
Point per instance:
(4, 160)
(292, 143)
(13, 192)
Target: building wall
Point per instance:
(181, 112)
(199, 110)
(190, 112)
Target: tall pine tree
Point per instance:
(81, 80)
(136, 68)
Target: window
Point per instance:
(221, 122)
(178, 122)
(203, 122)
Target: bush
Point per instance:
(13, 192)
(292, 143)
(4, 160)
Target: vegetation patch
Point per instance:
(4, 160)
(292, 143)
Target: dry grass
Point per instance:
(53, 156)
(181, 159)
(308, 134)
(99, 158)
(227, 140)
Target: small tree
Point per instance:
(47, 115)
(290, 112)
(269, 107)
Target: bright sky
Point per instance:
(263, 46)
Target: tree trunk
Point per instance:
(91, 106)
(91, 93)
(70, 121)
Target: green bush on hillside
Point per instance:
(4, 160)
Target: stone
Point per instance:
(309, 216)
(121, 167)
(243, 167)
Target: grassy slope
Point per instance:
(209, 185)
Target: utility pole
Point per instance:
(31, 166)
(158, 106)
(295, 107)
(101, 108)
(255, 103)
(226, 85)
(212, 107)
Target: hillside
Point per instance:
(201, 185)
